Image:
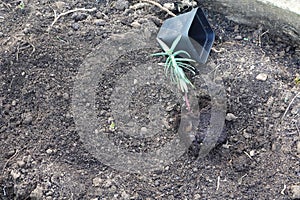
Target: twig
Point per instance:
(56, 17)
(161, 7)
(298, 129)
(8, 6)
(10, 159)
(218, 183)
(248, 155)
(284, 188)
(240, 180)
(287, 109)
(259, 37)
(25, 47)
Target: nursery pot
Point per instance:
(197, 36)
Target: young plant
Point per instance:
(174, 66)
(21, 5)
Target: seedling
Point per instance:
(174, 66)
(297, 80)
(21, 5)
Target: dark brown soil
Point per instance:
(43, 156)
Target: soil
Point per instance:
(43, 155)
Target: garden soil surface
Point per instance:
(43, 156)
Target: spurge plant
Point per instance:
(174, 66)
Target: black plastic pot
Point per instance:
(197, 36)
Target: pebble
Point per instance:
(238, 37)
(197, 196)
(169, 6)
(15, 174)
(298, 147)
(125, 195)
(144, 129)
(14, 102)
(295, 192)
(60, 5)
(97, 182)
(295, 110)
(49, 151)
(21, 163)
(49, 193)
(75, 26)
(276, 115)
(99, 22)
(246, 135)
(27, 118)
(108, 183)
(170, 107)
(230, 117)
(135, 24)
(37, 193)
(66, 96)
(79, 16)
(113, 189)
(121, 5)
(252, 153)
(262, 77)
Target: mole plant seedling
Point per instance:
(174, 66)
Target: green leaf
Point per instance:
(159, 54)
(163, 45)
(181, 52)
(175, 42)
(187, 68)
(185, 59)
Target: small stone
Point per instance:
(298, 147)
(262, 77)
(230, 117)
(270, 101)
(60, 5)
(10, 153)
(107, 183)
(14, 102)
(21, 163)
(121, 5)
(135, 24)
(75, 26)
(15, 174)
(170, 107)
(125, 195)
(97, 181)
(252, 153)
(276, 115)
(295, 192)
(295, 110)
(197, 196)
(143, 129)
(113, 189)
(27, 118)
(99, 22)
(246, 135)
(79, 16)
(49, 193)
(49, 151)
(238, 37)
(37, 193)
(66, 96)
(169, 6)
